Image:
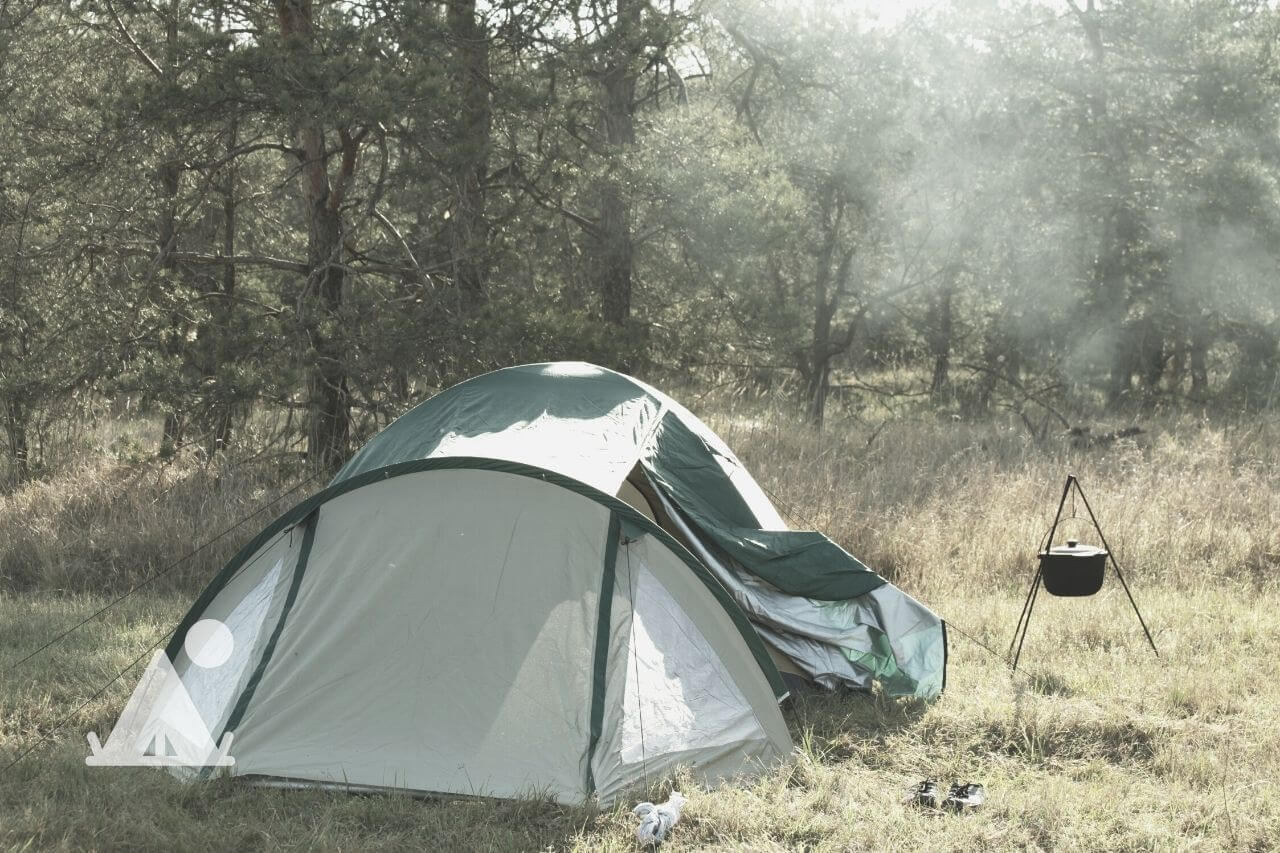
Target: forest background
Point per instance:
(326, 211)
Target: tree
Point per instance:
(814, 96)
(468, 153)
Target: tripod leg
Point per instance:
(1136, 611)
(1035, 583)
(1031, 603)
(1026, 605)
(1119, 573)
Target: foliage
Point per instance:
(1041, 206)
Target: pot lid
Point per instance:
(1074, 549)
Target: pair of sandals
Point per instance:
(963, 796)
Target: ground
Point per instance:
(1095, 744)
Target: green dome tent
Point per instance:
(825, 616)
(549, 579)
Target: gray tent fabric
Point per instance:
(820, 637)
(478, 627)
(596, 425)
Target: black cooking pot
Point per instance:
(1073, 569)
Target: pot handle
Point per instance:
(1046, 545)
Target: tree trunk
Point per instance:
(213, 336)
(1120, 234)
(618, 93)
(940, 331)
(820, 389)
(221, 411)
(1109, 172)
(1199, 357)
(15, 427)
(987, 380)
(820, 358)
(615, 255)
(826, 295)
(1151, 358)
(328, 398)
(469, 73)
(15, 345)
(1254, 378)
(831, 278)
(1177, 367)
(1123, 362)
(169, 176)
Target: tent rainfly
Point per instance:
(550, 579)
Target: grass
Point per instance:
(1095, 745)
(107, 524)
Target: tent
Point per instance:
(550, 579)
(824, 616)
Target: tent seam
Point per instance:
(600, 665)
(300, 568)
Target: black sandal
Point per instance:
(965, 796)
(926, 794)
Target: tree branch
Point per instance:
(137, 48)
(201, 259)
(395, 234)
(242, 151)
(527, 185)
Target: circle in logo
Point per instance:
(209, 643)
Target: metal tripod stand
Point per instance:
(1024, 621)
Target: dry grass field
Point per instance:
(1095, 744)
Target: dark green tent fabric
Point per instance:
(798, 562)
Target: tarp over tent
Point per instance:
(822, 612)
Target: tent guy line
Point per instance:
(159, 574)
(47, 737)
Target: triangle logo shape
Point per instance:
(160, 727)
